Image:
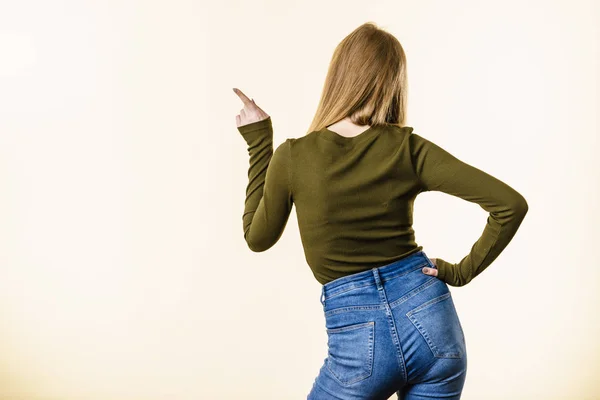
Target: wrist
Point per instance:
(443, 268)
(256, 130)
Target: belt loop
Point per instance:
(323, 295)
(431, 264)
(377, 278)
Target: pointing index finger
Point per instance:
(242, 96)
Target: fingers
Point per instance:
(243, 97)
(430, 271)
(250, 112)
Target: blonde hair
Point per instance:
(366, 81)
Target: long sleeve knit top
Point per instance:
(354, 198)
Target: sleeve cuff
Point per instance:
(442, 267)
(256, 129)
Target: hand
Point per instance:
(250, 113)
(431, 271)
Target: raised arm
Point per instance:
(438, 170)
(268, 196)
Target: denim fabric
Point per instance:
(391, 330)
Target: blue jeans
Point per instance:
(391, 330)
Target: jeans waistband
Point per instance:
(406, 264)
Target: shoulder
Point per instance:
(400, 135)
(386, 131)
(396, 135)
(307, 138)
(414, 140)
(400, 132)
(308, 141)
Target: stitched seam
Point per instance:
(412, 166)
(350, 327)
(486, 256)
(290, 186)
(333, 295)
(326, 391)
(353, 308)
(256, 126)
(369, 362)
(413, 292)
(429, 303)
(388, 279)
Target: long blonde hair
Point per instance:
(366, 81)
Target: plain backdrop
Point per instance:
(123, 269)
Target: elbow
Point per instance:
(520, 206)
(255, 241)
(256, 245)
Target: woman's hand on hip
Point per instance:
(250, 113)
(431, 271)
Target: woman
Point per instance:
(391, 322)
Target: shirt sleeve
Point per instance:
(268, 194)
(438, 170)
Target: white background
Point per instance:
(123, 269)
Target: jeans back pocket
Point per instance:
(350, 352)
(438, 323)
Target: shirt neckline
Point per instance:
(336, 137)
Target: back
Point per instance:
(354, 198)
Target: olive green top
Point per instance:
(354, 198)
